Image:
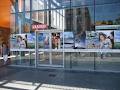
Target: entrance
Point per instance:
(49, 48)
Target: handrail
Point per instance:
(71, 50)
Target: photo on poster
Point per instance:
(80, 40)
(68, 40)
(92, 39)
(56, 40)
(43, 40)
(106, 39)
(18, 41)
(117, 39)
(31, 40)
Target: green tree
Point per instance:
(103, 22)
(110, 22)
(117, 21)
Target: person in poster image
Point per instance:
(5, 52)
(105, 43)
(111, 37)
(80, 40)
(21, 42)
(58, 40)
(55, 40)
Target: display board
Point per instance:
(68, 40)
(100, 39)
(31, 40)
(18, 41)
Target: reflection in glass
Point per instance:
(15, 58)
(27, 5)
(79, 20)
(12, 23)
(80, 60)
(109, 62)
(43, 58)
(20, 5)
(57, 58)
(24, 58)
(107, 14)
(39, 4)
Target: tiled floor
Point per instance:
(12, 78)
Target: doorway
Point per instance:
(49, 48)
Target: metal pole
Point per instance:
(70, 29)
(94, 30)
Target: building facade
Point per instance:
(69, 34)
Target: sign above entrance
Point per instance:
(39, 26)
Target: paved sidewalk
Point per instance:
(12, 78)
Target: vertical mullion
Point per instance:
(94, 30)
(23, 14)
(16, 15)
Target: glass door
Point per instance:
(42, 48)
(49, 48)
(57, 48)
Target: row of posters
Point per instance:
(109, 39)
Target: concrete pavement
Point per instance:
(13, 78)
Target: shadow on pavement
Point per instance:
(34, 79)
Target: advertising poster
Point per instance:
(92, 40)
(18, 41)
(43, 40)
(80, 40)
(31, 40)
(56, 40)
(117, 39)
(68, 40)
(106, 39)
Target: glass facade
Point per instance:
(87, 33)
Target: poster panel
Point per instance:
(18, 41)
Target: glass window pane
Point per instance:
(23, 58)
(108, 61)
(13, 6)
(27, 5)
(57, 58)
(43, 58)
(106, 1)
(80, 60)
(15, 58)
(79, 19)
(40, 20)
(12, 23)
(107, 14)
(56, 3)
(20, 5)
(79, 3)
(39, 4)
(32, 58)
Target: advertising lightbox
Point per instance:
(68, 40)
(80, 40)
(18, 41)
